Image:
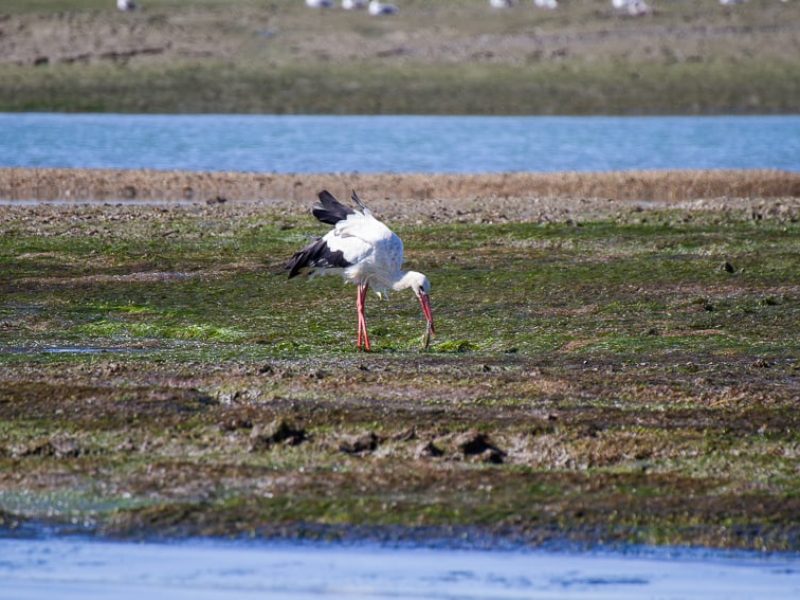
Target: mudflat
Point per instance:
(435, 57)
(608, 367)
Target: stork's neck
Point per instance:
(406, 279)
(401, 280)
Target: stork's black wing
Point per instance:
(317, 255)
(330, 210)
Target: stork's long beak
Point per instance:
(425, 302)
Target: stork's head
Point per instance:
(421, 287)
(418, 283)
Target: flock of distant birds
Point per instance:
(634, 8)
(374, 7)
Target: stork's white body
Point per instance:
(126, 5)
(374, 251)
(319, 3)
(354, 4)
(548, 4)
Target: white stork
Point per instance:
(638, 8)
(376, 8)
(354, 4)
(634, 8)
(126, 5)
(365, 252)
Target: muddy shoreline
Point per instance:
(510, 197)
(120, 185)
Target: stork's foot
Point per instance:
(363, 338)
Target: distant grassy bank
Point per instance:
(246, 56)
(417, 89)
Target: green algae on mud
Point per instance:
(631, 376)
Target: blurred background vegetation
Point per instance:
(436, 56)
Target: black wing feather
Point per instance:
(331, 211)
(317, 255)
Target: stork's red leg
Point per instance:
(362, 289)
(359, 311)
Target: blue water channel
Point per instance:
(397, 144)
(76, 569)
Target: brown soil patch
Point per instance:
(465, 198)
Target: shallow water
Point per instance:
(28, 202)
(70, 350)
(397, 143)
(78, 569)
